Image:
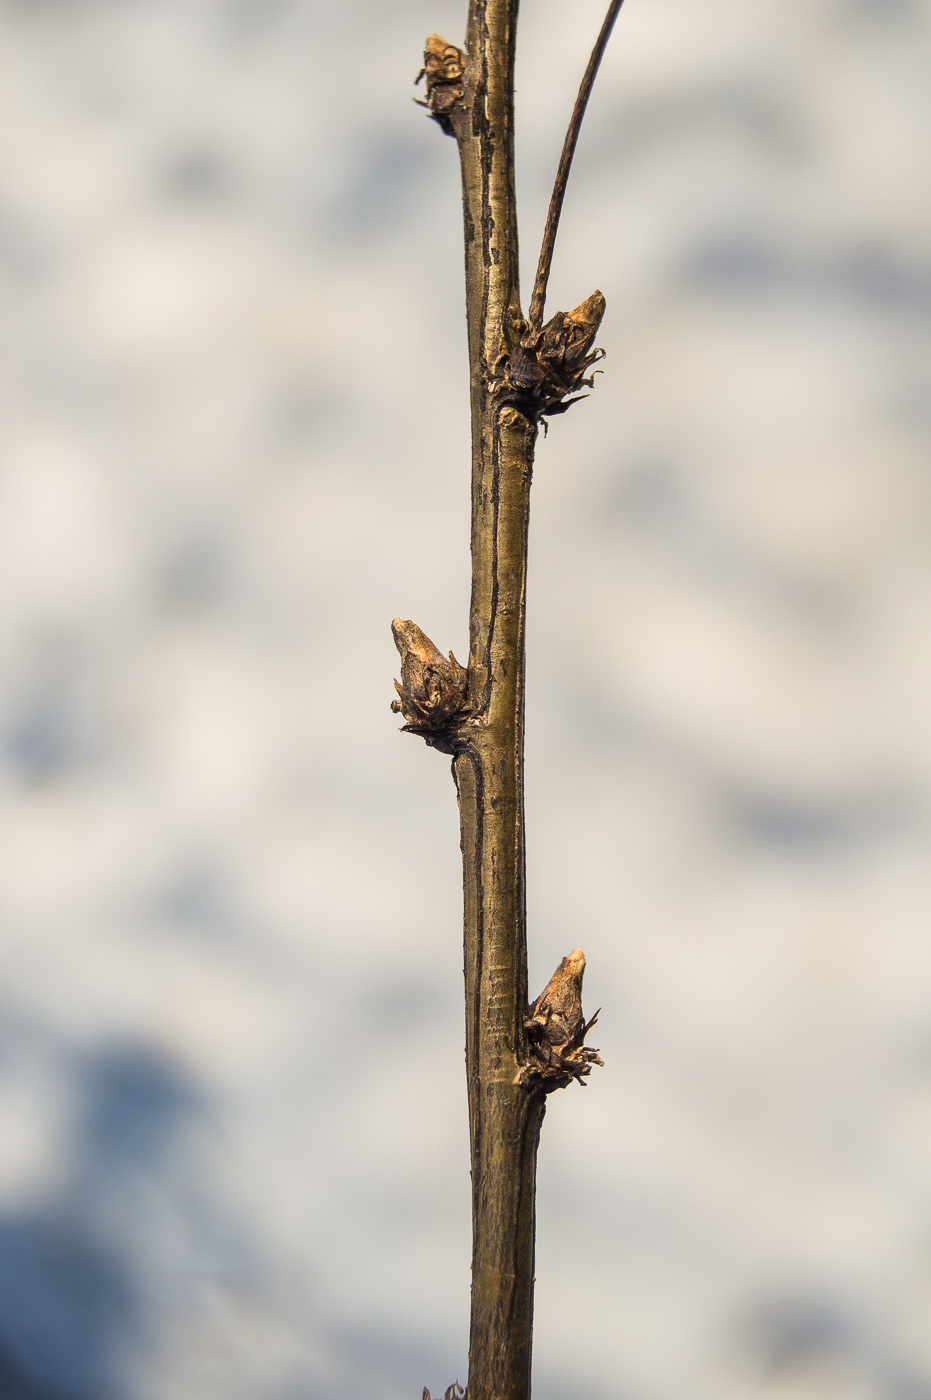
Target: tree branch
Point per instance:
(520, 372)
(538, 299)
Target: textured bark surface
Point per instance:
(504, 1114)
(518, 373)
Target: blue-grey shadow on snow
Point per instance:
(71, 1309)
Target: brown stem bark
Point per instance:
(504, 1113)
(514, 1053)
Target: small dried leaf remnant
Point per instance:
(432, 692)
(443, 66)
(453, 1392)
(556, 1027)
(549, 363)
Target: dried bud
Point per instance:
(551, 363)
(442, 67)
(433, 691)
(556, 1028)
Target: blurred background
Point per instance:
(233, 1148)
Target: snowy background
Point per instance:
(233, 1153)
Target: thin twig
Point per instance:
(516, 1052)
(538, 300)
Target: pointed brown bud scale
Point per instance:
(443, 65)
(556, 1028)
(433, 690)
(548, 364)
(579, 329)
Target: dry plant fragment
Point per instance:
(453, 1392)
(443, 69)
(556, 1028)
(549, 363)
(433, 691)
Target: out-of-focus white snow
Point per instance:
(233, 1153)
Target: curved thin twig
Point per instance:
(538, 300)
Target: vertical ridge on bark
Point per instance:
(504, 1121)
(504, 1113)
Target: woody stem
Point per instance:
(538, 299)
(504, 1114)
(472, 97)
